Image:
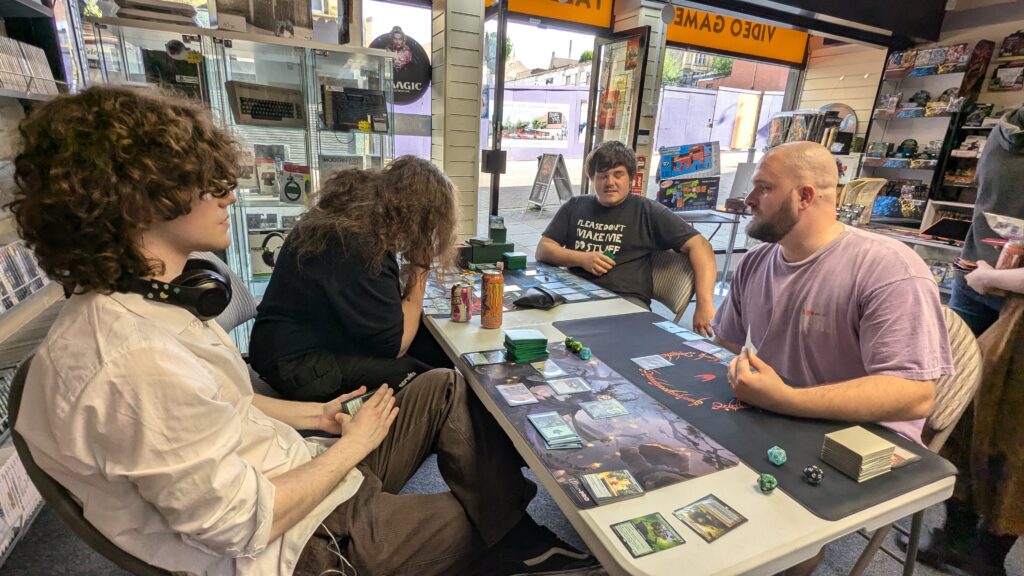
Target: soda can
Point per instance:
(492, 295)
(462, 302)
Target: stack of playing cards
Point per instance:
(557, 432)
(526, 345)
(857, 453)
(611, 486)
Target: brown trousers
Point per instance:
(382, 533)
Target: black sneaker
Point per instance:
(957, 557)
(531, 549)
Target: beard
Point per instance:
(773, 229)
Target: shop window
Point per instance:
(712, 98)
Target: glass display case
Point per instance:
(298, 109)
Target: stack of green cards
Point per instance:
(526, 345)
(558, 433)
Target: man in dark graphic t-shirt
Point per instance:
(587, 229)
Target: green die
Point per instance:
(777, 455)
(767, 483)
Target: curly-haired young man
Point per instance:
(144, 411)
(610, 236)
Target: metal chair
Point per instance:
(673, 280)
(952, 395)
(60, 500)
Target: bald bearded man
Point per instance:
(847, 323)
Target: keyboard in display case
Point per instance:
(259, 105)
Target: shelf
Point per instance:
(908, 75)
(1008, 59)
(24, 9)
(21, 533)
(24, 312)
(241, 36)
(989, 127)
(911, 237)
(884, 167)
(898, 221)
(952, 185)
(5, 93)
(895, 117)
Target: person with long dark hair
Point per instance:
(340, 310)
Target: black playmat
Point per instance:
(437, 300)
(697, 389)
(658, 447)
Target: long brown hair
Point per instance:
(408, 208)
(96, 169)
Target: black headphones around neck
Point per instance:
(203, 288)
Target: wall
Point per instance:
(751, 76)
(848, 74)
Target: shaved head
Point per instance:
(808, 164)
(794, 192)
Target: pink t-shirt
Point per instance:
(862, 305)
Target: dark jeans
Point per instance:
(383, 533)
(323, 375)
(979, 311)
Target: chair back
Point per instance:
(242, 307)
(673, 280)
(60, 500)
(954, 392)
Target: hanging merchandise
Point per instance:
(412, 66)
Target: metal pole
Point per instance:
(499, 97)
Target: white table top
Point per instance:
(779, 532)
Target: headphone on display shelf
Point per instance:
(270, 253)
(203, 288)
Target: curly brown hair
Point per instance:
(97, 168)
(408, 208)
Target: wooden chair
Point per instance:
(952, 395)
(673, 281)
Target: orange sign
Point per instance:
(718, 32)
(591, 12)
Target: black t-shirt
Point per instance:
(633, 230)
(332, 303)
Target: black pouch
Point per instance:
(540, 298)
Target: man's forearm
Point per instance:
(298, 415)
(866, 399)
(550, 252)
(1009, 280)
(705, 269)
(298, 491)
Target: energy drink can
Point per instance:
(462, 302)
(492, 295)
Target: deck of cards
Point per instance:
(526, 345)
(858, 453)
(558, 433)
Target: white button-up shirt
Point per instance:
(145, 415)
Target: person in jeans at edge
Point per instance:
(140, 405)
(608, 237)
(847, 323)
